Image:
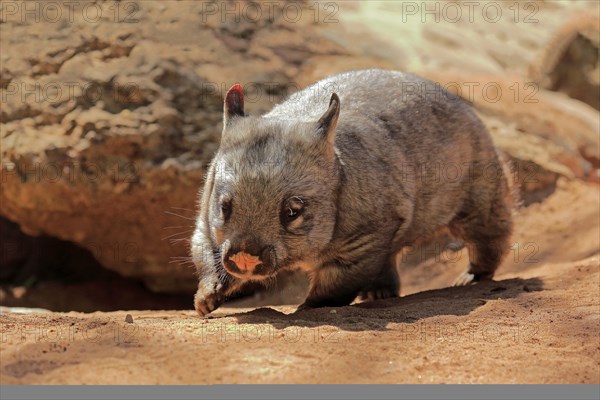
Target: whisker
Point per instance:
(177, 234)
(188, 263)
(186, 238)
(180, 216)
(176, 241)
(182, 258)
(183, 209)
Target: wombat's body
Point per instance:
(339, 191)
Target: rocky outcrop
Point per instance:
(569, 62)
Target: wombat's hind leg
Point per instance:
(386, 285)
(487, 237)
(464, 279)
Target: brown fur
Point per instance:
(339, 184)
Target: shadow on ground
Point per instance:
(358, 317)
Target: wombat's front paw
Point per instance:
(205, 303)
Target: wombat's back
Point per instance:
(381, 108)
(366, 92)
(407, 139)
(395, 117)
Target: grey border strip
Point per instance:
(341, 392)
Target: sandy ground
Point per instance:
(539, 322)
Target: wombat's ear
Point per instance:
(328, 121)
(234, 104)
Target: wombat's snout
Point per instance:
(250, 260)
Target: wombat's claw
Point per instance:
(467, 278)
(204, 305)
(464, 279)
(377, 294)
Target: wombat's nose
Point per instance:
(245, 262)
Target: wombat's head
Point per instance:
(272, 200)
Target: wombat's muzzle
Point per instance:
(248, 259)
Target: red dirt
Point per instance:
(539, 322)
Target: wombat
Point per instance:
(338, 179)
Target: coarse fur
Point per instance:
(342, 176)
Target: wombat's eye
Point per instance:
(292, 208)
(225, 209)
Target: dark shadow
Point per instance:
(57, 275)
(376, 315)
